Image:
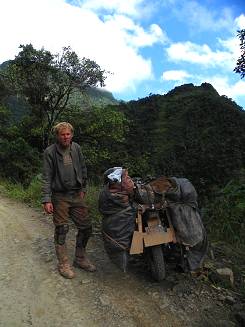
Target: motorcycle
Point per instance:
(160, 221)
(154, 236)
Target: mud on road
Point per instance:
(32, 293)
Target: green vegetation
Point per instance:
(240, 65)
(191, 132)
(92, 201)
(29, 194)
(47, 81)
(224, 216)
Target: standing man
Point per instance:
(64, 188)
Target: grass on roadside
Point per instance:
(31, 195)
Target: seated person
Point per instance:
(118, 214)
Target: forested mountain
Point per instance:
(191, 132)
(92, 96)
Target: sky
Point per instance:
(149, 47)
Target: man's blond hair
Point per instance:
(63, 125)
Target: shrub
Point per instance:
(19, 161)
(224, 216)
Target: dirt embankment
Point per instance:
(34, 294)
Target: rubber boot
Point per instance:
(82, 261)
(64, 267)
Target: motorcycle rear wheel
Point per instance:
(157, 263)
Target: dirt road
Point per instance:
(32, 293)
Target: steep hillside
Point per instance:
(192, 131)
(90, 97)
(93, 97)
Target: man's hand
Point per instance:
(82, 195)
(48, 207)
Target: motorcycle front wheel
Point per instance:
(157, 263)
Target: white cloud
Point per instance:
(231, 46)
(201, 18)
(222, 84)
(225, 87)
(132, 8)
(238, 89)
(132, 34)
(175, 75)
(113, 41)
(202, 54)
(240, 21)
(119, 6)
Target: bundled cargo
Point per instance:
(118, 215)
(150, 217)
(182, 208)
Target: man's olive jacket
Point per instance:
(54, 179)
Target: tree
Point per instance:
(101, 132)
(142, 116)
(240, 65)
(47, 81)
(3, 90)
(19, 161)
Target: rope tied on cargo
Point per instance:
(114, 241)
